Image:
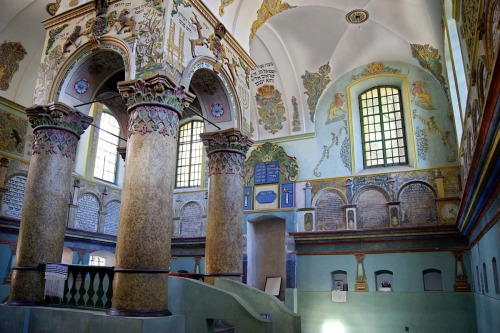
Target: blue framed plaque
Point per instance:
(247, 198)
(287, 195)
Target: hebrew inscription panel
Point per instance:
(12, 202)
(191, 224)
(87, 214)
(418, 206)
(330, 212)
(111, 219)
(372, 210)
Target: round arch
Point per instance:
(215, 92)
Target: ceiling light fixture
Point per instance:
(357, 16)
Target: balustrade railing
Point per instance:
(87, 287)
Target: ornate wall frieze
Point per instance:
(315, 83)
(153, 118)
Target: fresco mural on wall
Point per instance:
(176, 4)
(296, 116)
(431, 126)
(12, 133)
(428, 57)
(53, 33)
(375, 68)
(11, 54)
(271, 109)
(420, 96)
(492, 30)
(470, 19)
(315, 83)
(267, 9)
(271, 152)
(148, 44)
(345, 149)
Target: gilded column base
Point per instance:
(461, 286)
(361, 286)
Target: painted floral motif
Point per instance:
(12, 133)
(375, 68)
(422, 143)
(225, 162)
(315, 83)
(421, 97)
(267, 9)
(428, 57)
(431, 126)
(289, 168)
(296, 116)
(11, 54)
(176, 4)
(345, 149)
(470, 19)
(52, 37)
(217, 110)
(223, 4)
(81, 86)
(270, 107)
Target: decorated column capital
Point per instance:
(56, 128)
(230, 140)
(156, 88)
(58, 115)
(226, 151)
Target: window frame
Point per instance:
(383, 130)
(102, 111)
(191, 141)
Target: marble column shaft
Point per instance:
(144, 232)
(226, 152)
(57, 129)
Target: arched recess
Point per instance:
(216, 97)
(87, 213)
(417, 204)
(192, 220)
(330, 209)
(88, 76)
(12, 200)
(371, 207)
(266, 251)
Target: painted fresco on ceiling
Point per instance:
(271, 153)
(314, 84)
(149, 44)
(11, 54)
(267, 9)
(270, 108)
(95, 69)
(12, 133)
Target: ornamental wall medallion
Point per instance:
(376, 68)
(270, 108)
(315, 83)
(11, 54)
(421, 97)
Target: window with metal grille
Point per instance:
(382, 127)
(189, 155)
(106, 155)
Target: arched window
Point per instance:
(495, 275)
(107, 155)
(190, 155)
(486, 289)
(382, 127)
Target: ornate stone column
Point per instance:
(145, 226)
(226, 152)
(57, 129)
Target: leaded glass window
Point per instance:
(382, 126)
(190, 155)
(107, 155)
